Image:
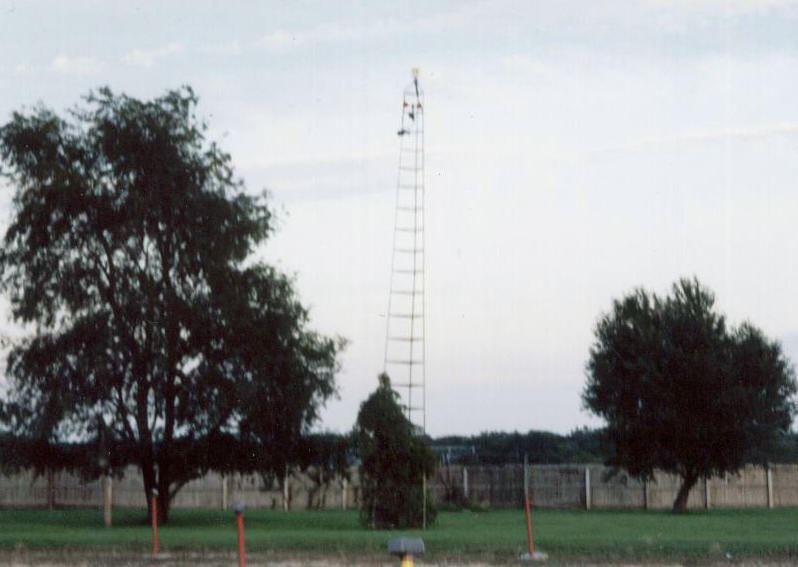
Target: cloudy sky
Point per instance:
(575, 150)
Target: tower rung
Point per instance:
(406, 314)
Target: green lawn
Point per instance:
(494, 535)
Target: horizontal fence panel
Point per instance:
(494, 486)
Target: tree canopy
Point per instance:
(395, 459)
(130, 252)
(683, 392)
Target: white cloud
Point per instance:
(690, 9)
(148, 57)
(740, 132)
(335, 32)
(77, 65)
(671, 16)
(282, 40)
(227, 48)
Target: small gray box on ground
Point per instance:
(410, 545)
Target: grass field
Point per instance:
(496, 536)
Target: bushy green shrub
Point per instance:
(395, 458)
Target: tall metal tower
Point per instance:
(405, 347)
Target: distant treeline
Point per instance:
(334, 452)
(497, 448)
(580, 446)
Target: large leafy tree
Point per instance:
(395, 459)
(130, 254)
(681, 391)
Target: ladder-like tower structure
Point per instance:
(405, 347)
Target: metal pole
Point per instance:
(154, 521)
(528, 514)
(242, 557)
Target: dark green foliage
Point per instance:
(330, 452)
(394, 461)
(325, 459)
(129, 250)
(682, 392)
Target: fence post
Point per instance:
(465, 482)
(491, 474)
(707, 502)
(645, 494)
(769, 480)
(107, 500)
(50, 488)
(224, 492)
(587, 487)
(526, 476)
(286, 493)
(343, 493)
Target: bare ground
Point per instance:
(117, 559)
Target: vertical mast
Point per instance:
(405, 348)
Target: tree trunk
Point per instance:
(680, 504)
(163, 509)
(164, 476)
(148, 472)
(162, 505)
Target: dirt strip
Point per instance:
(127, 559)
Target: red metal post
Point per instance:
(242, 558)
(154, 518)
(528, 513)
